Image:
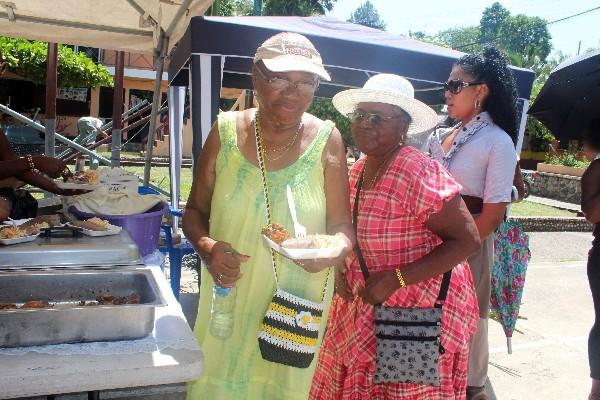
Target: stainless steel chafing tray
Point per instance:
(67, 251)
(67, 322)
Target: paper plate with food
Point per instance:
(96, 227)
(14, 234)
(83, 180)
(302, 248)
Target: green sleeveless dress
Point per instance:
(234, 368)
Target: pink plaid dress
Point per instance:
(392, 233)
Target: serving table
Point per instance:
(169, 355)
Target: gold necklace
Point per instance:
(283, 149)
(371, 182)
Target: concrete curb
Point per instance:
(554, 224)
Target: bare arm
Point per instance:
(455, 226)
(491, 216)
(590, 193)
(337, 196)
(336, 190)
(222, 261)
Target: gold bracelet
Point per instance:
(32, 167)
(400, 278)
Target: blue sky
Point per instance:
(432, 16)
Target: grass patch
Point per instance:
(159, 176)
(530, 209)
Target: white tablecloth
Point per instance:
(169, 355)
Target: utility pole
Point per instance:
(579, 47)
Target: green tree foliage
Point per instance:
(524, 39)
(323, 108)
(539, 136)
(464, 38)
(231, 7)
(303, 8)
(27, 58)
(492, 21)
(366, 14)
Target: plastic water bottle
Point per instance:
(221, 312)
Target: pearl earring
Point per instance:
(477, 103)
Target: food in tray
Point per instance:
(107, 299)
(275, 232)
(87, 177)
(37, 304)
(49, 220)
(31, 227)
(12, 232)
(314, 242)
(93, 224)
(278, 234)
(102, 300)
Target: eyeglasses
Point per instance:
(278, 83)
(372, 118)
(455, 86)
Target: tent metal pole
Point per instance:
(51, 78)
(117, 110)
(156, 98)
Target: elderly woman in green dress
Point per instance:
(226, 211)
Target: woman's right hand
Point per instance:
(341, 283)
(53, 167)
(224, 264)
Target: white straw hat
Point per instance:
(288, 51)
(389, 89)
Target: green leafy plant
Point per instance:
(566, 159)
(323, 108)
(27, 58)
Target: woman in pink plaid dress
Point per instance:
(412, 226)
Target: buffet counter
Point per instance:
(170, 354)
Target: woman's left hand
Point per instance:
(379, 287)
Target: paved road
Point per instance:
(549, 359)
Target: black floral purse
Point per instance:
(289, 333)
(408, 339)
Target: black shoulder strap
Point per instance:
(361, 260)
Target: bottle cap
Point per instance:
(222, 291)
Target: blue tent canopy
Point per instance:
(350, 52)
(217, 52)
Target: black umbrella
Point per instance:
(570, 97)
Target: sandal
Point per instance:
(476, 393)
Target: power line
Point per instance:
(572, 16)
(546, 24)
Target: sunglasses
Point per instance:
(372, 118)
(278, 83)
(455, 86)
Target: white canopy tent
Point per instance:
(145, 26)
(128, 25)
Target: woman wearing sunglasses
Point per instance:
(412, 227)
(227, 209)
(480, 154)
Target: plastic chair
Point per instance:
(175, 251)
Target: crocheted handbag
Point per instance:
(289, 333)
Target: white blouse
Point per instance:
(482, 159)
